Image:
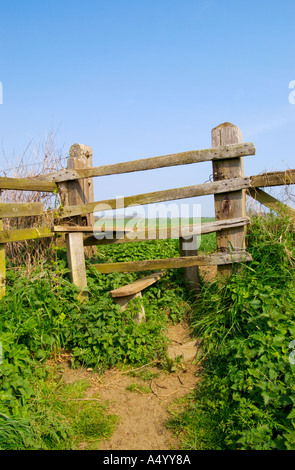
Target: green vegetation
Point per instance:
(247, 393)
(41, 318)
(245, 397)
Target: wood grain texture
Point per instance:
(76, 193)
(167, 233)
(273, 178)
(229, 185)
(270, 201)
(20, 209)
(188, 247)
(183, 158)
(27, 184)
(76, 261)
(137, 286)
(172, 263)
(229, 205)
(7, 236)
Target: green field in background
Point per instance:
(110, 223)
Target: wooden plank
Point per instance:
(76, 261)
(229, 185)
(270, 201)
(137, 286)
(27, 184)
(183, 158)
(229, 205)
(274, 178)
(7, 236)
(172, 263)
(20, 209)
(170, 232)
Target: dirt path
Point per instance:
(143, 409)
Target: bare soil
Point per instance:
(143, 411)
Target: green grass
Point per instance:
(246, 396)
(58, 417)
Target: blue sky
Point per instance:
(136, 79)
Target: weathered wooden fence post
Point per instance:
(2, 263)
(232, 204)
(78, 192)
(191, 274)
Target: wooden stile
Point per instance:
(75, 186)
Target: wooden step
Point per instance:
(137, 286)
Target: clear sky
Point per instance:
(136, 79)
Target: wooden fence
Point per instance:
(75, 218)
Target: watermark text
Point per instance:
(292, 93)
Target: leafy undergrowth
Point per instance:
(41, 317)
(247, 325)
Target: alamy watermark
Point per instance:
(292, 353)
(292, 93)
(156, 221)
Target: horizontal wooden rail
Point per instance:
(274, 178)
(184, 158)
(27, 184)
(224, 186)
(205, 227)
(172, 263)
(167, 233)
(20, 209)
(7, 236)
(270, 201)
(86, 229)
(15, 235)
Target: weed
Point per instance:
(135, 387)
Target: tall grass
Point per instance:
(246, 398)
